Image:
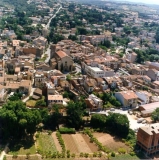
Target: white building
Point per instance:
(144, 97)
(98, 71)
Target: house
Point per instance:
(54, 99)
(113, 82)
(144, 97)
(89, 85)
(94, 103)
(42, 67)
(127, 98)
(37, 94)
(153, 74)
(147, 109)
(24, 86)
(148, 138)
(131, 56)
(39, 79)
(40, 41)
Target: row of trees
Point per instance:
(117, 123)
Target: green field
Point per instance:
(45, 143)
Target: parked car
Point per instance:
(112, 109)
(144, 121)
(140, 120)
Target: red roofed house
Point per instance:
(127, 98)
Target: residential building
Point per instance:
(127, 98)
(94, 103)
(144, 97)
(153, 74)
(147, 109)
(55, 99)
(148, 138)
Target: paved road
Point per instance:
(78, 68)
(4, 152)
(27, 98)
(48, 54)
(48, 24)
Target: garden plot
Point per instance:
(78, 143)
(110, 142)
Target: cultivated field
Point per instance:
(78, 143)
(110, 142)
(46, 143)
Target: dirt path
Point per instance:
(81, 144)
(58, 147)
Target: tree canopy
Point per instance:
(17, 120)
(118, 124)
(75, 112)
(98, 121)
(155, 115)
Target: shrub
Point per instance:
(122, 150)
(81, 154)
(65, 130)
(15, 155)
(113, 154)
(49, 132)
(94, 154)
(73, 155)
(61, 141)
(37, 135)
(132, 153)
(86, 155)
(5, 158)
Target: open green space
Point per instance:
(129, 157)
(45, 143)
(31, 103)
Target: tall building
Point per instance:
(148, 138)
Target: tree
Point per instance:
(74, 113)
(155, 115)
(72, 37)
(17, 120)
(98, 121)
(118, 124)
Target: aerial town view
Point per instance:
(79, 80)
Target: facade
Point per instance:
(144, 96)
(39, 79)
(148, 138)
(55, 99)
(127, 98)
(61, 61)
(153, 74)
(94, 103)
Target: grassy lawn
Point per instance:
(23, 147)
(22, 158)
(31, 103)
(45, 143)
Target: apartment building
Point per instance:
(127, 98)
(148, 138)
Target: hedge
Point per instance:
(67, 130)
